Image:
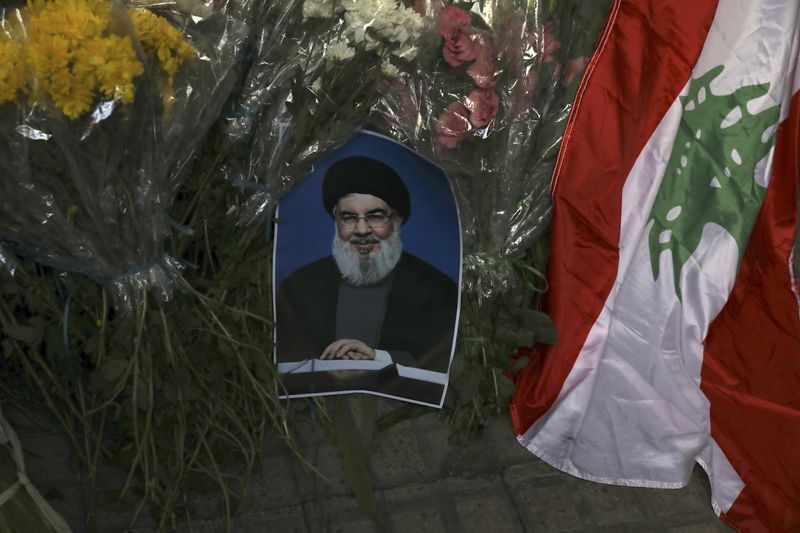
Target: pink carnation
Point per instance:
(573, 68)
(482, 105)
(452, 127)
(459, 45)
(459, 48)
(482, 71)
(452, 19)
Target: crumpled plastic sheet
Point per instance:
(276, 54)
(8, 263)
(288, 52)
(500, 168)
(92, 195)
(297, 103)
(524, 57)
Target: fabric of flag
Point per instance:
(671, 277)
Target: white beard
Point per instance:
(367, 270)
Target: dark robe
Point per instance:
(417, 328)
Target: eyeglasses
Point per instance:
(374, 219)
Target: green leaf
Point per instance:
(32, 335)
(505, 386)
(354, 459)
(543, 329)
(520, 363)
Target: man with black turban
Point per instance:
(369, 300)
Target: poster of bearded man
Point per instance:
(366, 276)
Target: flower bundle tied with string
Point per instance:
(99, 105)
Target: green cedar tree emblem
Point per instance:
(711, 171)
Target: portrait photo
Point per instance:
(366, 276)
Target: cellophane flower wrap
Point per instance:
(101, 106)
(314, 82)
(488, 101)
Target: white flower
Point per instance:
(359, 15)
(339, 51)
(389, 70)
(374, 24)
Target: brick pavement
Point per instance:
(423, 482)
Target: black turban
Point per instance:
(364, 175)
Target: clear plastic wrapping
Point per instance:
(313, 82)
(101, 106)
(8, 263)
(488, 101)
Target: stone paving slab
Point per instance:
(488, 513)
(425, 482)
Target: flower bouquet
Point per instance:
(103, 108)
(313, 83)
(100, 108)
(488, 101)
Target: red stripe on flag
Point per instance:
(643, 60)
(751, 366)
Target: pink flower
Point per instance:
(482, 105)
(452, 127)
(482, 71)
(459, 45)
(573, 68)
(452, 19)
(459, 48)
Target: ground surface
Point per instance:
(424, 484)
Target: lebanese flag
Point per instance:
(671, 277)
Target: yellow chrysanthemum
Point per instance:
(119, 68)
(71, 94)
(72, 57)
(12, 69)
(74, 20)
(47, 55)
(69, 55)
(161, 40)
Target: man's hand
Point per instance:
(347, 349)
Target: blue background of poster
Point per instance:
(432, 232)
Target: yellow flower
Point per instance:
(48, 54)
(71, 94)
(112, 64)
(73, 58)
(68, 54)
(12, 69)
(161, 40)
(120, 69)
(74, 20)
